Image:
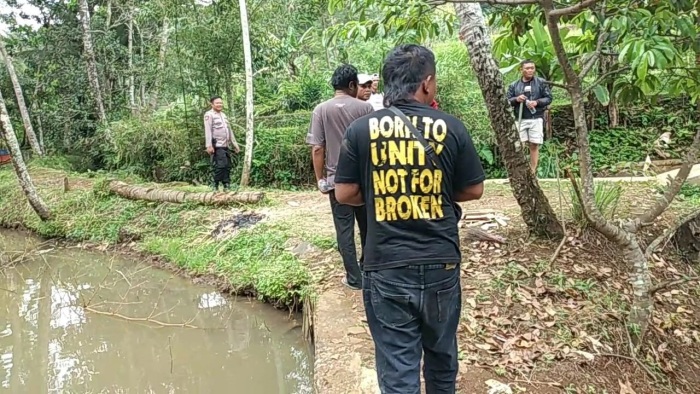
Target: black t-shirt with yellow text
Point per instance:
(412, 218)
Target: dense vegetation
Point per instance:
(182, 52)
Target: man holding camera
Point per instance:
(530, 96)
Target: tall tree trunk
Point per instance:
(28, 129)
(108, 22)
(8, 134)
(249, 136)
(161, 63)
(132, 82)
(92, 63)
(142, 80)
(536, 210)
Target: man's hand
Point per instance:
(210, 150)
(532, 104)
(236, 149)
(521, 98)
(323, 186)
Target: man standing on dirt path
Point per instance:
(328, 123)
(411, 164)
(218, 136)
(530, 96)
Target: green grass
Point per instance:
(253, 261)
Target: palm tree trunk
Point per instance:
(249, 134)
(28, 129)
(175, 196)
(25, 182)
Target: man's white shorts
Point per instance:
(532, 130)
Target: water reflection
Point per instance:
(74, 321)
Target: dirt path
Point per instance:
(344, 358)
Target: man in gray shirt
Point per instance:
(329, 121)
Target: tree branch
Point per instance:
(588, 66)
(671, 283)
(559, 85)
(604, 76)
(490, 2)
(574, 9)
(570, 76)
(662, 203)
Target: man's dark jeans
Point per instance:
(344, 217)
(412, 311)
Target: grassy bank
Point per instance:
(254, 261)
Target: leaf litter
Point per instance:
(519, 314)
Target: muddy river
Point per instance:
(74, 321)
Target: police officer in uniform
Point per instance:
(218, 138)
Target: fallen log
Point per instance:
(477, 234)
(145, 193)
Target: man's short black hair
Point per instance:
(343, 75)
(214, 97)
(527, 61)
(405, 67)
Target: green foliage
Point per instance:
(304, 92)
(534, 45)
(611, 148)
(168, 146)
(282, 158)
(407, 21)
(607, 197)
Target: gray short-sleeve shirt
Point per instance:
(329, 121)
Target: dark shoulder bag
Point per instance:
(434, 160)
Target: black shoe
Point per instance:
(227, 187)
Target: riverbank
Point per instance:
(246, 257)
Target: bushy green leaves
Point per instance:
(406, 21)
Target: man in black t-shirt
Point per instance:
(411, 274)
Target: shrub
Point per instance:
(607, 196)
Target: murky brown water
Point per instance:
(73, 321)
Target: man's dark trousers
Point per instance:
(221, 167)
(412, 311)
(344, 217)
